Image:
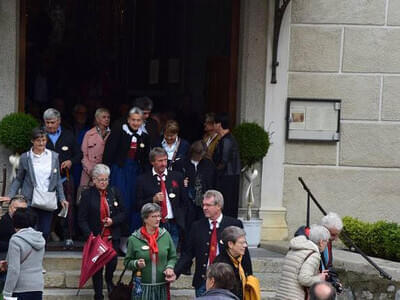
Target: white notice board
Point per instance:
(313, 119)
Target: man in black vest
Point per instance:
(199, 244)
(166, 189)
(62, 141)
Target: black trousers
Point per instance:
(228, 185)
(97, 278)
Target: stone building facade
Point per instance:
(341, 49)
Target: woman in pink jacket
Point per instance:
(94, 142)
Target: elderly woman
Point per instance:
(94, 142)
(38, 177)
(301, 267)
(235, 244)
(126, 152)
(152, 251)
(101, 211)
(176, 147)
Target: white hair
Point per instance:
(218, 197)
(332, 221)
(136, 110)
(100, 169)
(51, 113)
(318, 233)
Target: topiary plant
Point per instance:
(15, 131)
(253, 143)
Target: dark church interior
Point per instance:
(105, 53)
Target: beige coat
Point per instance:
(299, 272)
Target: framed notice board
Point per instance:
(313, 119)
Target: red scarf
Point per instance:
(104, 213)
(152, 241)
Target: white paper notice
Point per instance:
(297, 117)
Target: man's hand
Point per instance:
(169, 275)
(141, 263)
(107, 222)
(66, 164)
(158, 198)
(4, 199)
(186, 182)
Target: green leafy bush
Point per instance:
(253, 143)
(379, 239)
(15, 131)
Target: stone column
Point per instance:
(8, 62)
(271, 210)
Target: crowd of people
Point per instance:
(151, 194)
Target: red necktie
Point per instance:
(213, 242)
(164, 210)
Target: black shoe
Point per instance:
(110, 287)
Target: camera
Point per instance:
(333, 279)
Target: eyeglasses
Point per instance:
(155, 217)
(102, 179)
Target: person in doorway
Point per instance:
(219, 283)
(62, 141)
(24, 259)
(227, 161)
(203, 244)
(150, 125)
(210, 137)
(39, 168)
(126, 153)
(93, 144)
(164, 188)
(176, 147)
(101, 211)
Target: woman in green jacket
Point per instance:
(152, 251)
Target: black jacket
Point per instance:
(198, 244)
(6, 231)
(226, 156)
(223, 257)
(66, 147)
(89, 212)
(118, 145)
(148, 185)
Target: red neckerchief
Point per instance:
(152, 241)
(104, 213)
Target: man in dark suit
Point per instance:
(166, 189)
(62, 141)
(200, 243)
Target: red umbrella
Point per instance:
(96, 254)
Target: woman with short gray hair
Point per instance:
(301, 267)
(93, 144)
(235, 254)
(152, 251)
(126, 153)
(101, 211)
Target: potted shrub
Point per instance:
(15, 135)
(253, 143)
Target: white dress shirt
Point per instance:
(170, 149)
(170, 213)
(42, 169)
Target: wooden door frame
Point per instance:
(234, 62)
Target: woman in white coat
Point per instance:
(301, 267)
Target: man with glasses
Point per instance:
(202, 243)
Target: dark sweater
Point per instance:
(6, 231)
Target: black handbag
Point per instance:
(121, 291)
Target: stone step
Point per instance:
(67, 294)
(70, 279)
(70, 261)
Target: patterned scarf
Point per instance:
(152, 241)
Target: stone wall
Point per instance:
(347, 49)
